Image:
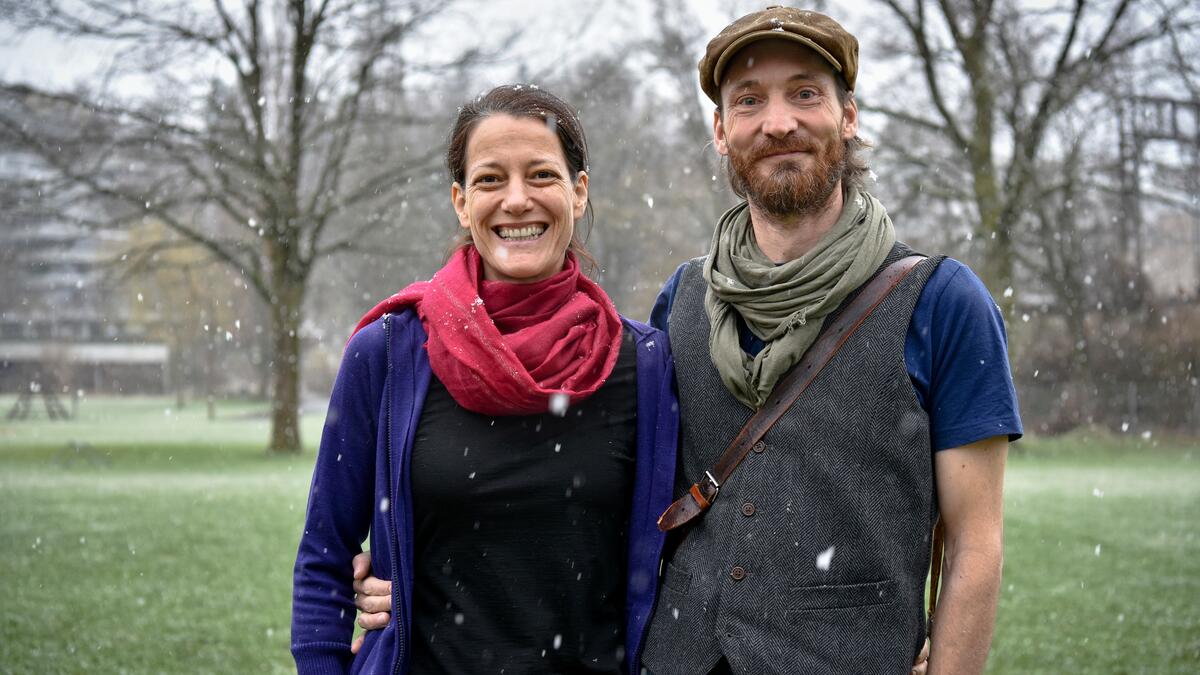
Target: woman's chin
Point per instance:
(522, 269)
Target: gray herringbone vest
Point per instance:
(813, 558)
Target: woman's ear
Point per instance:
(581, 195)
(458, 198)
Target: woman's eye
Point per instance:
(544, 174)
(486, 180)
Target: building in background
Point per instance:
(62, 326)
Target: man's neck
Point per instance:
(786, 238)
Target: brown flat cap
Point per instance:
(811, 29)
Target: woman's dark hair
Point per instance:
(524, 100)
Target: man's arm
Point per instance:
(970, 485)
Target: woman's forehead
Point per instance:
(504, 139)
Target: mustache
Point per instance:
(776, 146)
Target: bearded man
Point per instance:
(814, 558)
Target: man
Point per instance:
(813, 559)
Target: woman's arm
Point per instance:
(341, 505)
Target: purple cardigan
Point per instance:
(361, 486)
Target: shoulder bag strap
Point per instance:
(701, 495)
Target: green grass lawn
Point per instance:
(140, 538)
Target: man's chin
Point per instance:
(780, 180)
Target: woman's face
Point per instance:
(518, 201)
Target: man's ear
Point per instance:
(458, 198)
(850, 119)
(719, 134)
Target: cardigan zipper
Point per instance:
(393, 493)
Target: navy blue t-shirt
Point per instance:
(956, 354)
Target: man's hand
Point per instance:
(372, 596)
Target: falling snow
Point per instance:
(825, 559)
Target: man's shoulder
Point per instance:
(696, 264)
(953, 289)
(661, 312)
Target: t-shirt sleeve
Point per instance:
(660, 314)
(957, 357)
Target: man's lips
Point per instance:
(782, 154)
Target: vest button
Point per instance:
(759, 447)
(747, 509)
(737, 573)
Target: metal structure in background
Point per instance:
(45, 386)
(1142, 119)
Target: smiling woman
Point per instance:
(521, 200)
(505, 438)
(520, 150)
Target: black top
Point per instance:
(521, 534)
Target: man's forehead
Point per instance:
(793, 58)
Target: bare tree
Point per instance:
(266, 142)
(997, 74)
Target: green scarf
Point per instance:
(784, 305)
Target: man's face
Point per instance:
(783, 127)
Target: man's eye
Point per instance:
(747, 100)
(806, 94)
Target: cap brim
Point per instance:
(776, 33)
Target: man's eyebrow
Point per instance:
(749, 83)
(744, 84)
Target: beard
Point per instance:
(788, 190)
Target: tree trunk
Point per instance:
(998, 262)
(994, 227)
(285, 341)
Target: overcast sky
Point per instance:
(46, 59)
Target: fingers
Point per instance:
(373, 595)
(922, 663)
(362, 565)
(374, 620)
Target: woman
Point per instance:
(505, 438)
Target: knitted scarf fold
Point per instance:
(784, 305)
(502, 348)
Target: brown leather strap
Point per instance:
(701, 495)
(935, 567)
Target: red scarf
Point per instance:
(507, 349)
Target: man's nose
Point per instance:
(779, 119)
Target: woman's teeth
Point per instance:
(521, 233)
